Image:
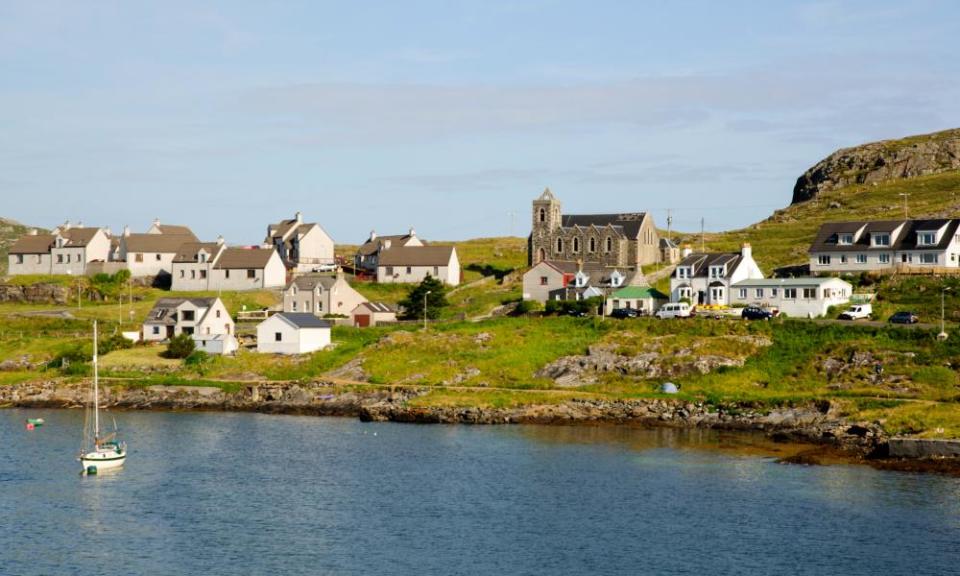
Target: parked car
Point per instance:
(758, 313)
(674, 310)
(857, 312)
(624, 313)
(904, 317)
(325, 268)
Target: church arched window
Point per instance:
(593, 244)
(609, 244)
(576, 245)
(543, 215)
(559, 245)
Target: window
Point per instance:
(436, 271)
(685, 293)
(593, 245)
(59, 258)
(790, 293)
(861, 258)
(409, 270)
(208, 330)
(68, 258)
(544, 281)
(251, 273)
(138, 257)
(824, 259)
(845, 239)
(188, 329)
(717, 271)
(743, 293)
(226, 274)
(543, 215)
(809, 293)
(218, 313)
(609, 244)
(926, 238)
(319, 306)
(19, 258)
(773, 292)
(389, 270)
(881, 239)
(559, 245)
(883, 258)
(928, 258)
(843, 259)
(294, 306)
(193, 274)
(203, 274)
(576, 245)
(157, 257)
(277, 337)
(188, 315)
(759, 292)
(183, 273)
(156, 330)
(716, 294)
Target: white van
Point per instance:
(674, 310)
(857, 312)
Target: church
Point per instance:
(610, 240)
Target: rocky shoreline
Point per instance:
(817, 423)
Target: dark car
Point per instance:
(904, 318)
(757, 313)
(624, 313)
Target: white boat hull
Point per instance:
(103, 459)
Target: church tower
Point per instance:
(546, 221)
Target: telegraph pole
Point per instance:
(905, 211)
(669, 225)
(703, 239)
(513, 216)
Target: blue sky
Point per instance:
(449, 116)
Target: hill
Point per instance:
(882, 161)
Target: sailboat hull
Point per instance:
(103, 460)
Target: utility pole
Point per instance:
(905, 195)
(703, 239)
(513, 216)
(669, 225)
(427, 293)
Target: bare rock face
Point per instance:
(881, 161)
(40, 293)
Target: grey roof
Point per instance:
(309, 282)
(627, 224)
(253, 258)
(377, 307)
(188, 251)
(373, 246)
(416, 256)
(827, 238)
(701, 262)
(158, 243)
(163, 311)
(176, 230)
(79, 236)
(598, 275)
(665, 243)
(32, 244)
(304, 320)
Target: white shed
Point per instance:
(292, 333)
(216, 343)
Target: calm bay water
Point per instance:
(211, 493)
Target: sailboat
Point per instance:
(107, 451)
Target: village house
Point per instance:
(372, 314)
(321, 295)
(411, 264)
(367, 258)
(193, 263)
(292, 333)
(643, 299)
(885, 246)
(549, 280)
(202, 318)
(151, 254)
(794, 297)
(303, 247)
(67, 249)
(626, 240)
(706, 279)
(247, 269)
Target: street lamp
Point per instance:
(427, 293)
(943, 333)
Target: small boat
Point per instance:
(107, 452)
(35, 421)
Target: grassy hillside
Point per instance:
(783, 238)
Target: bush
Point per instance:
(436, 299)
(115, 342)
(180, 346)
(527, 307)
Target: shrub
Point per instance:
(436, 299)
(526, 307)
(180, 346)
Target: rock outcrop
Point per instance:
(881, 161)
(39, 293)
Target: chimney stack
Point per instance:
(373, 235)
(413, 232)
(126, 231)
(299, 217)
(66, 225)
(686, 251)
(220, 240)
(746, 251)
(156, 222)
(108, 232)
(80, 224)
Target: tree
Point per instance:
(180, 346)
(436, 299)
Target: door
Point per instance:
(362, 320)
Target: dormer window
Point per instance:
(926, 238)
(580, 280)
(616, 279)
(684, 272)
(845, 239)
(718, 271)
(881, 239)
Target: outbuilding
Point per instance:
(292, 333)
(372, 314)
(644, 299)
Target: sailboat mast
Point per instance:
(96, 392)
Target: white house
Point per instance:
(301, 246)
(216, 343)
(192, 265)
(199, 317)
(550, 280)
(644, 299)
(885, 245)
(368, 255)
(411, 264)
(152, 253)
(67, 249)
(247, 269)
(795, 297)
(705, 279)
(292, 333)
(321, 295)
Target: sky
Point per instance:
(449, 116)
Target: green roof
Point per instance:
(639, 292)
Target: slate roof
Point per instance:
(416, 256)
(164, 309)
(32, 244)
(308, 282)
(377, 307)
(827, 237)
(702, 262)
(176, 230)
(158, 243)
(79, 236)
(253, 258)
(627, 224)
(303, 320)
(372, 246)
(188, 251)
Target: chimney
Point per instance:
(66, 225)
(373, 235)
(746, 251)
(108, 232)
(220, 240)
(126, 231)
(80, 224)
(413, 233)
(299, 217)
(156, 222)
(32, 232)
(686, 251)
